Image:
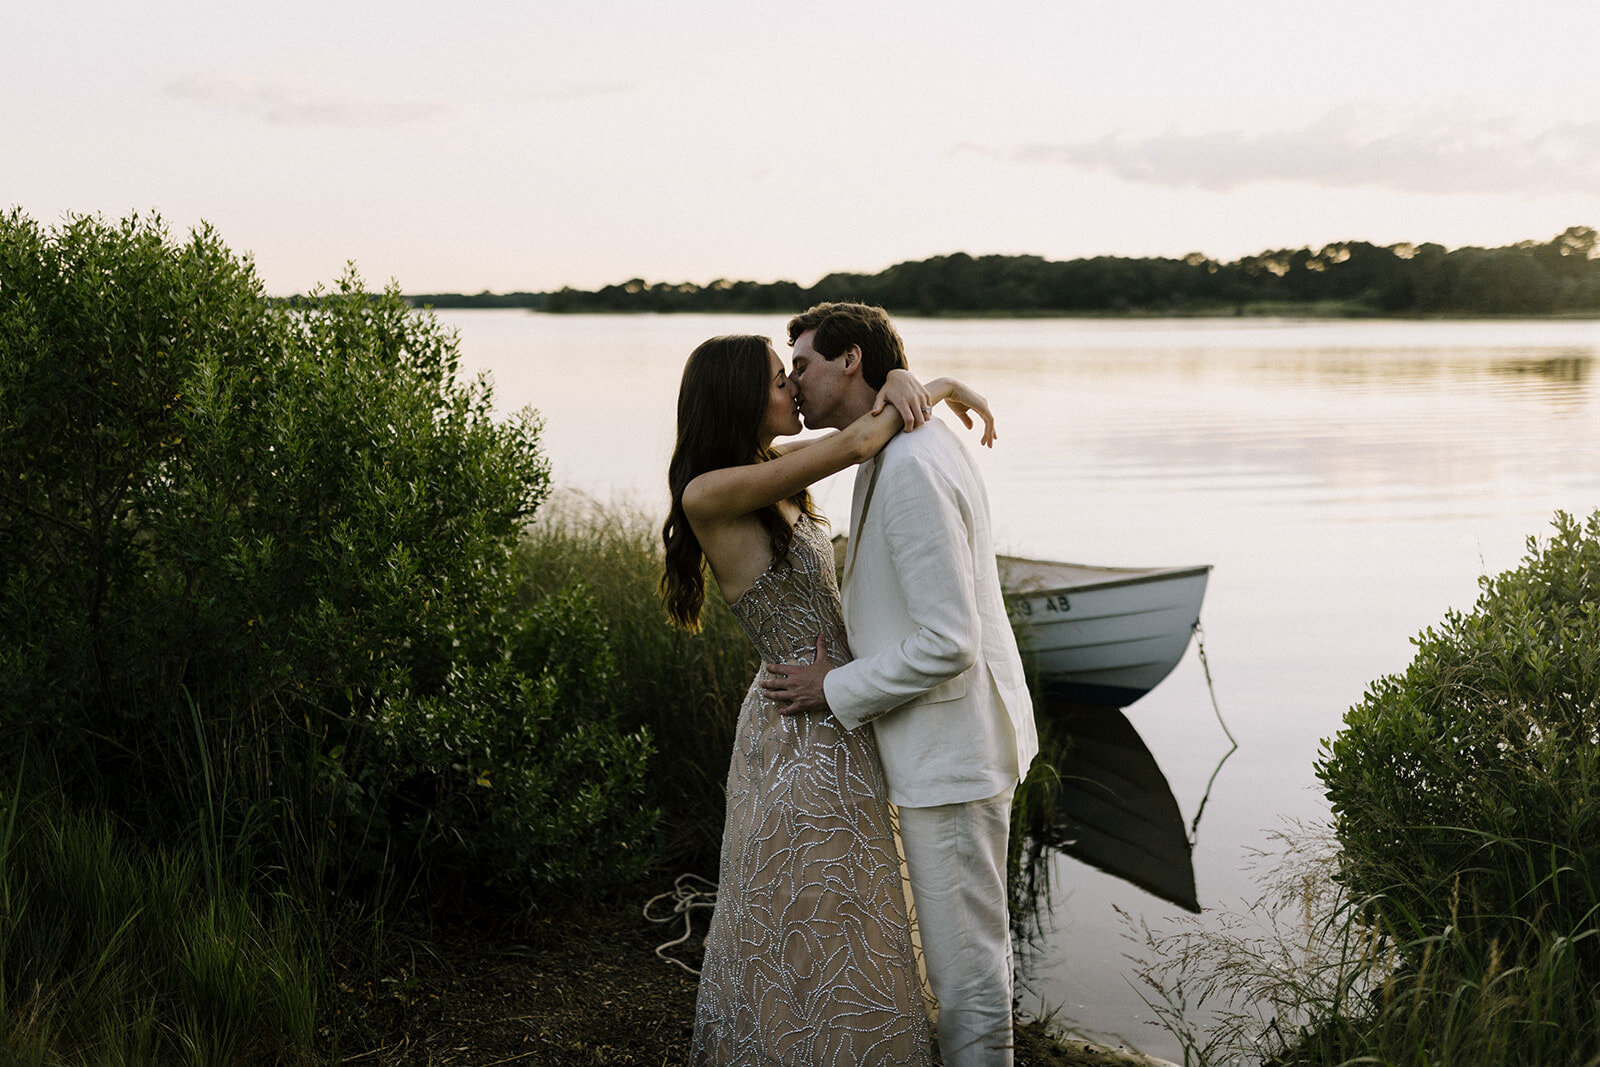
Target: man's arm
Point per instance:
(925, 517)
(925, 525)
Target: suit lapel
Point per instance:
(858, 504)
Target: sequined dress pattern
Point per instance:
(808, 959)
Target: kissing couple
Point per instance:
(896, 722)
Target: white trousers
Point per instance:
(956, 858)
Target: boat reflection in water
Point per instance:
(1107, 804)
(1096, 639)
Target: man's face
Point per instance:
(821, 383)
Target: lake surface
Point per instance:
(1348, 480)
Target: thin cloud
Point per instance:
(1446, 151)
(581, 91)
(973, 148)
(297, 99)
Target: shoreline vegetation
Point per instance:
(334, 735)
(1347, 279)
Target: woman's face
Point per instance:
(783, 416)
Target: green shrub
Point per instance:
(575, 814)
(1466, 790)
(256, 579)
(1453, 917)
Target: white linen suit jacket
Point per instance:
(936, 670)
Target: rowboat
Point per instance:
(1095, 640)
(1101, 635)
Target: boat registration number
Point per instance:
(1027, 607)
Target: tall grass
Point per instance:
(113, 953)
(1310, 975)
(685, 688)
(1033, 817)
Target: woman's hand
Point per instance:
(907, 396)
(964, 400)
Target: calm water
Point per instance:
(1349, 481)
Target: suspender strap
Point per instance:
(861, 521)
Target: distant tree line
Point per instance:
(1353, 277)
(485, 299)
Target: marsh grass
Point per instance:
(685, 688)
(1028, 859)
(114, 953)
(1309, 975)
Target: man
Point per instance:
(936, 672)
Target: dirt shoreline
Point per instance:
(579, 988)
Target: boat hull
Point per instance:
(1103, 636)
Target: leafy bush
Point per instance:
(1466, 791)
(1454, 917)
(574, 815)
(256, 579)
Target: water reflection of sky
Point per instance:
(1348, 480)
(1428, 426)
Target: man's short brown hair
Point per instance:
(840, 325)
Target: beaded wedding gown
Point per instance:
(808, 959)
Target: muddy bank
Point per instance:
(583, 987)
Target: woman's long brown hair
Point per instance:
(721, 401)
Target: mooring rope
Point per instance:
(1205, 665)
(685, 899)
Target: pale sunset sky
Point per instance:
(541, 143)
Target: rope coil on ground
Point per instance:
(685, 899)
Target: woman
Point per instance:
(808, 960)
